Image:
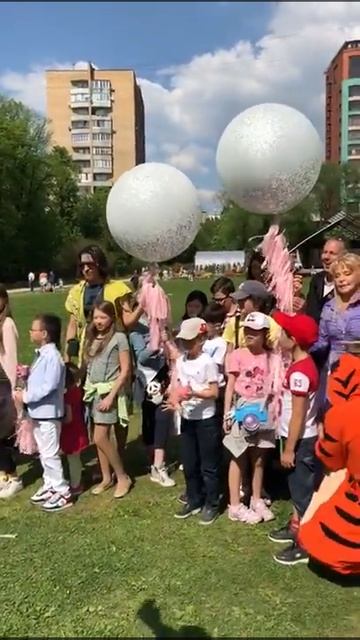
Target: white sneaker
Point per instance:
(41, 495)
(161, 476)
(11, 488)
(3, 482)
(57, 502)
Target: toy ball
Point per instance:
(251, 422)
(153, 212)
(269, 158)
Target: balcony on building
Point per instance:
(102, 139)
(101, 123)
(79, 97)
(85, 178)
(81, 153)
(354, 152)
(102, 179)
(102, 166)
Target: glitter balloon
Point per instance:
(153, 212)
(269, 158)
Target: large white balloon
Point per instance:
(269, 158)
(153, 212)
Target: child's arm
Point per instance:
(229, 394)
(299, 409)
(211, 392)
(124, 361)
(52, 375)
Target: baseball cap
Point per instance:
(251, 288)
(191, 328)
(256, 321)
(302, 328)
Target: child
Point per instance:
(200, 431)
(44, 398)
(298, 427)
(10, 483)
(151, 383)
(73, 437)
(249, 379)
(108, 367)
(215, 346)
(195, 305)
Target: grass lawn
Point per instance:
(130, 569)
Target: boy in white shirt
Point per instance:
(200, 429)
(216, 347)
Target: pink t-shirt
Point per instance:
(252, 373)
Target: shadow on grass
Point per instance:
(150, 615)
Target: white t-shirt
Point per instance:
(31, 276)
(216, 349)
(301, 379)
(197, 374)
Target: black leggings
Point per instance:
(156, 425)
(7, 462)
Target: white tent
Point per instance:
(212, 258)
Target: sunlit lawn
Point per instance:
(93, 570)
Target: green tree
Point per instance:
(63, 191)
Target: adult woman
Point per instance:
(9, 482)
(340, 317)
(95, 286)
(255, 270)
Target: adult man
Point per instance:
(321, 286)
(222, 290)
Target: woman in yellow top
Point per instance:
(95, 286)
(252, 295)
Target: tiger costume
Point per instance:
(332, 535)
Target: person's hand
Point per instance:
(297, 284)
(228, 423)
(287, 459)
(18, 395)
(298, 303)
(106, 403)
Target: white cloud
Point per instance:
(190, 104)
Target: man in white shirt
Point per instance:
(31, 280)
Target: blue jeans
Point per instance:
(201, 456)
(302, 479)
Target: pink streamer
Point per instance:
(154, 301)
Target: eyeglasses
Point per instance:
(220, 300)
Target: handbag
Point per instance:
(252, 416)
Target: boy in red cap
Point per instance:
(298, 427)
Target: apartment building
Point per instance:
(98, 115)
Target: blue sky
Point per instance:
(220, 58)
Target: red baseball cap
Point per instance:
(302, 328)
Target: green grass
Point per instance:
(130, 569)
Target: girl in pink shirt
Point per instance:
(249, 433)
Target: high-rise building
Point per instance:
(343, 105)
(98, 115)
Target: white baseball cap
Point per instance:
(191, 328)
(257, 321)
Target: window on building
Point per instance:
(354, 134)
(102, 151)
(101, 137)
(102, 163)
(354, 150)
(83, 150)
(354, 121)
(100, 96)
(80, 124)
(80, 97)
(354, 67)
(99, 111)
(80, 111)
(101, 177)
(354, 91)
(354, 105)
(80, 84)
(79, 137)
(101, 84)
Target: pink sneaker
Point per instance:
(238, 513)
(262, 510)
(252, 517)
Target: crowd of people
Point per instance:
(237, 379)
